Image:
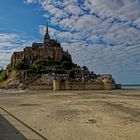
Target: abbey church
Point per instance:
(50, 49)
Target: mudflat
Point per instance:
(71, 115)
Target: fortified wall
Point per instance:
(56, 83)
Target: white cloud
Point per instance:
(103, 34)
(30, 1)
(9, 43)
(72, 9)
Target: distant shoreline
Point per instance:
(14, 91)
(131, 86)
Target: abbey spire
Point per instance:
(47, 31)
(46, 36)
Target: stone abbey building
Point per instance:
(50, 49)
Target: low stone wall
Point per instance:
(39, 87)
(80, 86)
(57, 85)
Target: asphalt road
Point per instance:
(8, 131)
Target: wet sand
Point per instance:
(73, 115)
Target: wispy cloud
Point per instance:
(10, 42)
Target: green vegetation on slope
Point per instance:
(41, 66)
(20, 66)
(3, 75)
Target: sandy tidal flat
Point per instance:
(74, 115)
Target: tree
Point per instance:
(1, 71)
(65, 58)
(38, 65)
(3, 76)
(20, 65)
(67, 65)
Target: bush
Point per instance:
(1, 71)
(67, 65)
(38, 65)
(45, 70)
(66, 59)
(20, 66)
(3, 76)
(60, 71)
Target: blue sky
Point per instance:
(102, 34)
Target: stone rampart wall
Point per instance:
(81, 86)
(72, 86)
(39, 87)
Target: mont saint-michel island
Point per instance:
(46, 66)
